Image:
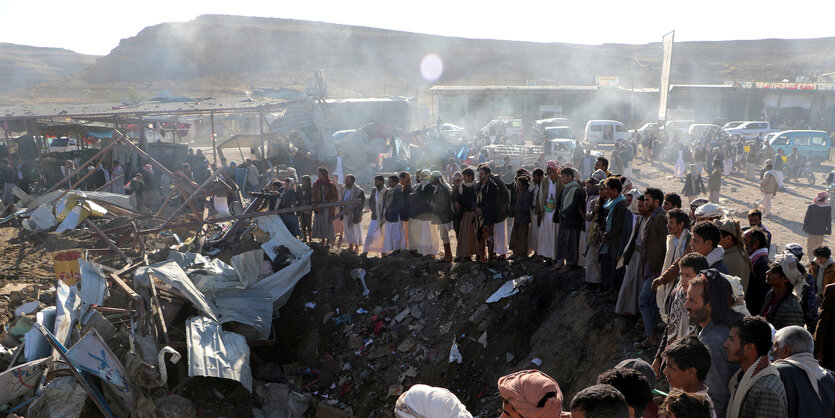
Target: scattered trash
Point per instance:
(26, 309)
(537, 361)
(509, 357)
(509, 288)
(361, 311)
(359, 274)
(454, 354)
(309, 305)
(483, 339)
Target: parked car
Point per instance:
(748, 130)
(63, 144)
(698, 129)
(453, 132)
(605, 132)
(539, 127)
(680, 127)
(812, 144)
(732, 124)
(649, 127)
(559, 132)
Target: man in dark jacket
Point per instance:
(376, 203)
(612, 231)
(810, 389)
(396, 212)
(825, 331)
(651, 262)
(487, 209)
(818, 221)
(8, 178)
(755, 243)
(442, 211)
(571, 209)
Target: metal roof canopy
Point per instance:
(111, 111)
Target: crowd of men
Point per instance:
(738, 331)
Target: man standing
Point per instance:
(602, 164)
(376, 229)
(714, 182)
(752, 160)
(442, 211)
(810, 389)
(324, 192)
(352, 215)
(757, 390)
(115, 172)
(338, 170)
(549, 193)
(8, 179)
(706, 238)
(779, 165)
(736, 258)
(420, 213)
(818, 221)
(464, 204)
(755, 293)
(487, 211)
(152, 196)
(755, 218)
(587, 165)
(536, 209)
(769, 186)
(613, 230)
(396, 212)
(654, 233)
(707, 303)
(678, 244)
(571, 209)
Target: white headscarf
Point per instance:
(633, 207)
(422, 401)
(788, 262)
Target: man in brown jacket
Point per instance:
(652, 261)
(825, 331)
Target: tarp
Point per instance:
(210, 275)
(213, 352)
(171, 273)
(281, 283)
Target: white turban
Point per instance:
(422, 401)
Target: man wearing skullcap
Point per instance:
(423, 237)
(550, 191)
(442, 211)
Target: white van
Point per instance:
(605, 132)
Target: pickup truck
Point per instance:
(750, 130)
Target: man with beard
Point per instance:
(571, 207)
(376, 201)
(396, 212)
(487, 210)
(757, 388)
(708, 306)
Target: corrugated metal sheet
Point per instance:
(213, 352)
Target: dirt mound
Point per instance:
(363, 350)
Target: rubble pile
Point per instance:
(459, 326)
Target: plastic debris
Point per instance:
(309, 305)
(509, 288)
(359, 274)
(454, 354)
(537, 361)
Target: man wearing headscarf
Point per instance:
(818, 221)
(422, 235)
(782, 303)
(422, 401)
(810, 389)
(487, 210)
(591, 243)
(694, 185)
(531, 393)
(152, 197)
(571, 207)
(550, 191)
(536, 210)
(323, 192)
(735, 258)
(442, 211)
(352, 216)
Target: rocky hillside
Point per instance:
(216, 55)
(23, 66)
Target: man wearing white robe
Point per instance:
(551, 188)
(376, 229)
(352, 215)
(394, 213)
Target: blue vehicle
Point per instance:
(813, 145)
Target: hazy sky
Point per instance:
(96, 26)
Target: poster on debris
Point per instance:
(19, 380)
(67, 268)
